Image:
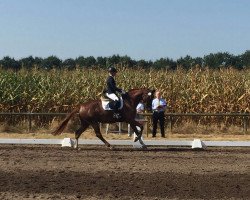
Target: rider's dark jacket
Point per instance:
(111, 85)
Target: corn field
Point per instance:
(194, 91)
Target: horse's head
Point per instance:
(145, 95)
(147, 98)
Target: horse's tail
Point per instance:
(62, 126)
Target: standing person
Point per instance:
(139, 110)
(111, 90)
(159, 106)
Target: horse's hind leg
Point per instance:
(97, 130)
(79, 132)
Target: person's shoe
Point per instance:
(153, 136)
(117, 116)
(163, 136)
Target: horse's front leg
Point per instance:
(138, 129)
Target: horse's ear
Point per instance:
(153, 91)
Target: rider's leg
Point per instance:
(116, 103)
(112, 96)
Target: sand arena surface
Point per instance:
(95, 172)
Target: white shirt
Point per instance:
(159, 102)
(140, 108)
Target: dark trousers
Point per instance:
(158, 116)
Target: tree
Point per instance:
(10, 63)
(101, 61)
(246, 59)
(164, 63)
(90, 61)
(186, 63)
(142, 63)
(198, 61)
(69, 64)
(27, 62)
(38, 61)
(51, 62)
(235, 61)
(80, 61)
(85, 62)
(211, 61)
(218, 60)
(127, 61)
(115, 59)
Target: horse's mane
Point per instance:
(132, 91)
(135, 89)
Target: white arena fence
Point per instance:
(68, 142)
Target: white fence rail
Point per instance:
(196, 143)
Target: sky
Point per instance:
(141, 29)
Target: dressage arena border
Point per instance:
(68, 142)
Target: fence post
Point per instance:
(245, 124)
(29, 114)
(170, 123)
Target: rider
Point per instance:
(112, 89)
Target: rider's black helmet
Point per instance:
(112, 70)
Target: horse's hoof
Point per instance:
(111, 148)
(136, 139)
(144, 147)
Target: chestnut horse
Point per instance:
(92, 113)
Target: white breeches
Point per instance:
(112, 96)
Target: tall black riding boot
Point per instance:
(116, 110)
